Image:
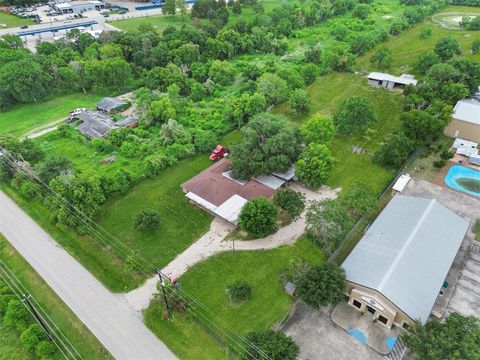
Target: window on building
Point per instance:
(383, 319)
(405, 326)
(357, 304)
(370, 310)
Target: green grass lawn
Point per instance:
(327, 94)
(80, 337)
(207, 282)
(13, 21)
(33, 117)
(476, 229)
(408, 46)
(181, 223)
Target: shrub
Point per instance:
(446, 155)
(147, 220)
(322, 285)
(291, 201)
(300, 102)
(31, 337)
(17, 316)
(258, 217)
(45, 350)
(239, 291)
(426, 32)
(439, 163)
(275, 345)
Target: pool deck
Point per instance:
(440, 178)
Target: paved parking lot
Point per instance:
(320, 339)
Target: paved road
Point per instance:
(108, 316)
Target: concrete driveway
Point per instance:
(320, 339)
(108, 316)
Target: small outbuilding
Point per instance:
(398, 268)
(465, 122)
(78, 7)
(390, 81)
(401, 182)
(109, 104)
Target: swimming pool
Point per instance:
(464, 179)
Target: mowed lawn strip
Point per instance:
(207, 282)
(68, 323)
(37, 116)
(408, 46)
(181, 223)
(13, 21)
(326, 95)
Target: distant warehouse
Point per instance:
(78, 7)
(398, 269)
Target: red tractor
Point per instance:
(219, 153)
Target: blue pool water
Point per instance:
(464, 179)
(391, 342)
(358, 334)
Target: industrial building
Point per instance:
(78, 7)
(398, 268)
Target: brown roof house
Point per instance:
(216, 191)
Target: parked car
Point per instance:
(77, 111)
(24, 27)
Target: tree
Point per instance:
(421, 126)
(160, 111)
(383, 58)
(354, 115)
(274, 88)
(360, 198)
(328, 224)
(45, 350)
(269, 144)
(395, 150)
(426, 61)
(236, 8)
(314, 165)
(182, 7)
(319, 129)
(147, 220)
(309, 73)
(476, 47)
(31, 337)
(17, 316)
(361, 11)
(169, 7)
(426, 32)
(447, 47)
(221, 72)
(258, 217)
(273, 344)
(300, 102)
(322, 285)
(291, 201)
(174, 133)
(52, 167)
(456, 338)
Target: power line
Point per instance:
(144, 266)
(57, 337)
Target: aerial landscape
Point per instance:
(240, 179)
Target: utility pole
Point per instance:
(26, 299)
(162, 284)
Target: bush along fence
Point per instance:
(355, 234)
(21, 312)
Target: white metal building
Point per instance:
(78, 7)
(390, 81)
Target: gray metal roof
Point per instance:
(407, 253)
(467, 110)
(109, 103)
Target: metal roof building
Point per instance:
(399, 266)
(465, 122)
(109, 103)
(391, 81)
